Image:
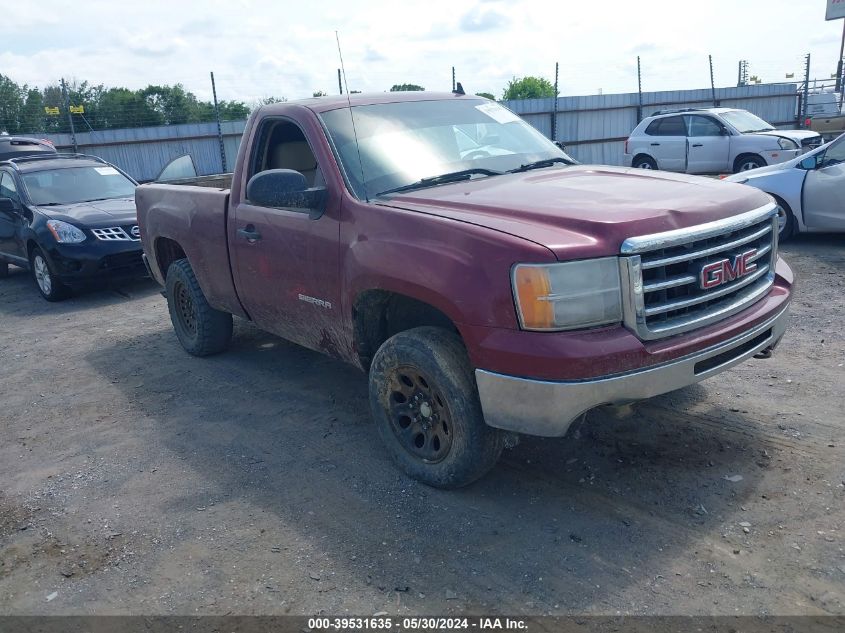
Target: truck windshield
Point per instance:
(70, 185)
(746, 122)
(400, 144)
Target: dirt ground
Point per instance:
(139, 480)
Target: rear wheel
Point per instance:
(201, 329)
(425, 402)
(642, 161)
(48, 284)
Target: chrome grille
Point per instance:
(117, 234)
(689, 278)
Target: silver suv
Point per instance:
(712, 141)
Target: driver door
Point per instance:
(287, 265)
(12, 223)
(709, 147)
(823, 198)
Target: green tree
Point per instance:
(406, 88)
(486, 95)
(11, 105)
(320, 93)
(528, 88)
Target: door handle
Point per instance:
(655, 144)
(249, 233)
(698, 145)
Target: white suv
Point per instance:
(712, 141)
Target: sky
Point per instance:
(288, 49)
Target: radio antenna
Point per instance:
(352, 117)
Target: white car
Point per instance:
(712, 141)
(810, 189)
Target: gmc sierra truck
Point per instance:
(488, 283)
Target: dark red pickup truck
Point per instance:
(488, 283)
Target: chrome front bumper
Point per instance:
(546, 408)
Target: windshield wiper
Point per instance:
(537, 164)
(455, 176)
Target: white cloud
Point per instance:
(260, 49)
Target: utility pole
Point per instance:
(453, 79)
(219, 128)
(806, 92)
(554, 109)
(339, 84)
(639, 91)
(840, 71)
(66, 99)
(712, 82)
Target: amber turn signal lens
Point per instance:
(533, 288)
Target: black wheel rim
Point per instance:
(185, 309)
(419, 416)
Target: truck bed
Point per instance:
(194, 218)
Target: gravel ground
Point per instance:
(139, 480)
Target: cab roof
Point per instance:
(335, 102)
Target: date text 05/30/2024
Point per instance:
(385, 623)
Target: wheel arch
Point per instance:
(378, 314)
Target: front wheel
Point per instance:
(48, 284)
(201, 329)
(746, 163)
(786, 220)
(425, 402)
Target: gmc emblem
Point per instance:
(725, 270)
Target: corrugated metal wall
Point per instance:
(143, 152)
(595, 127)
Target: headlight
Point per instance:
(64, 232)
(569, 295)
(787, 143)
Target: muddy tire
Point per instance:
(201, 329)
(45, 278)
(425, 403)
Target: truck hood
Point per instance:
(583, 211)
(95, 213)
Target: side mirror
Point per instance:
(287, 189)
(7, 206)
(810, 163)
(725, 131)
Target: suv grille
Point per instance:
(685, 279)
(811, 142)
(118, 234)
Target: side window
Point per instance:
(703, 126)
(282, 145)
(8, 188)
(672, 126)
(834, 154)
(653, 127)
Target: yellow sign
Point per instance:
(49, 110)
(77, 109)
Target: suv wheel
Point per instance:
(48, 284)
(425, 402)
(644, 162)
(747, 162)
